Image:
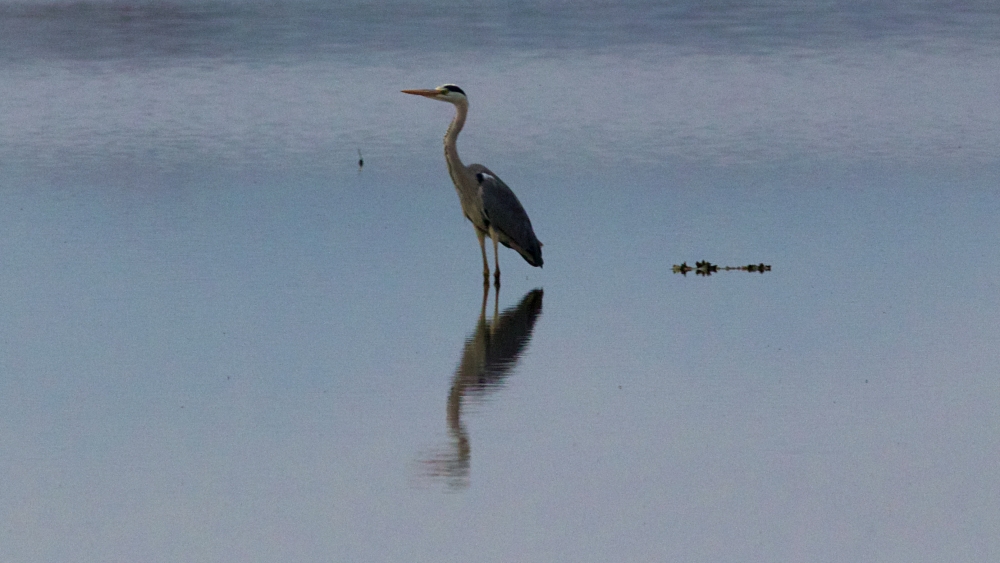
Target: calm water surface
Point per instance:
(223, 341)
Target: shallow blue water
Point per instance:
(224, 341)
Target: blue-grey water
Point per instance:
(222, 340)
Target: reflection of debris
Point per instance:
(751, 268)
(706, 268)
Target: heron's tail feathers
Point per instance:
(533, 254)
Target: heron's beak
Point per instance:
(425, 93)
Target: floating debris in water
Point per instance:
(706, 268)
(361, 160)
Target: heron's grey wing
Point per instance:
(506, 215)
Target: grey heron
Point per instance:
(486, 200)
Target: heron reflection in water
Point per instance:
(489, 355)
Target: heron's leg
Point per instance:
(496, 257)
(486, 294)
(486, 264)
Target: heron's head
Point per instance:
(445, 93)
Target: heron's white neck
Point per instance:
(451, 137)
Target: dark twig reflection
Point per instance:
(489, 355)
(706, 268)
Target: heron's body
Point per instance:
(487, 202)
